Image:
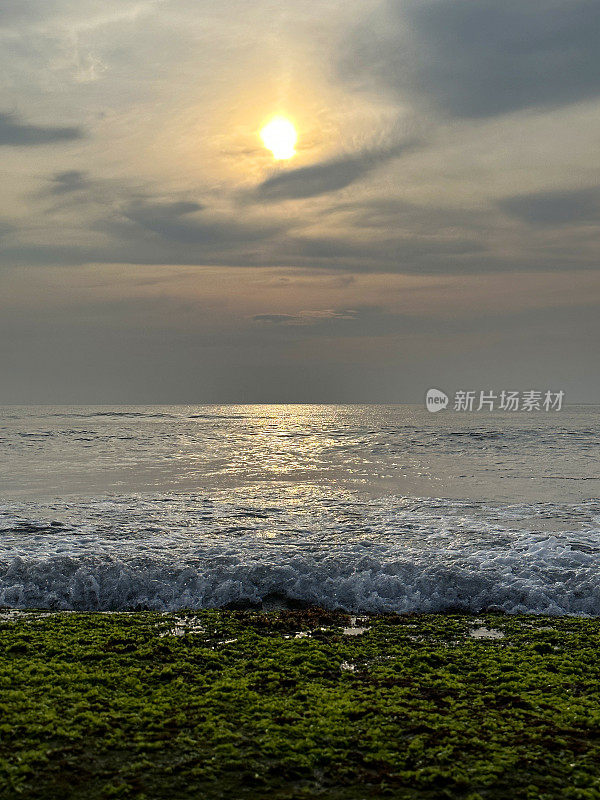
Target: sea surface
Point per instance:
(361, 508)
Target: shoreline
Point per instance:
(298, 704)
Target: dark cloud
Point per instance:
(179, 222)
(327, 176)
(135, 229)
(391, 254)
(480, 58)
(555, 207)
(70, 181)
(20, 134)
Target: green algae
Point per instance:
(232, 704)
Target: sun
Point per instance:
(280, 137)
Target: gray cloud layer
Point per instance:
(555, 207)
(21, 134)
(369, 235)
(480, 58)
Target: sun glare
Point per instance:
(280, 137)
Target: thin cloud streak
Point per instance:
(329, 176)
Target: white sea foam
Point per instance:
(522, 572)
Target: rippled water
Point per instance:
(359, 507)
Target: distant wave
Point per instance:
(570, 477)
(126, 414)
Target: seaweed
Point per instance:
(286, 705)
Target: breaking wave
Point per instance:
(379, 556)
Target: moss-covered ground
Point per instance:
(244, 704)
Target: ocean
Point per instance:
(359, 508)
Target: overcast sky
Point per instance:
(437, 227)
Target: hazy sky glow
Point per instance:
(438, 224)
